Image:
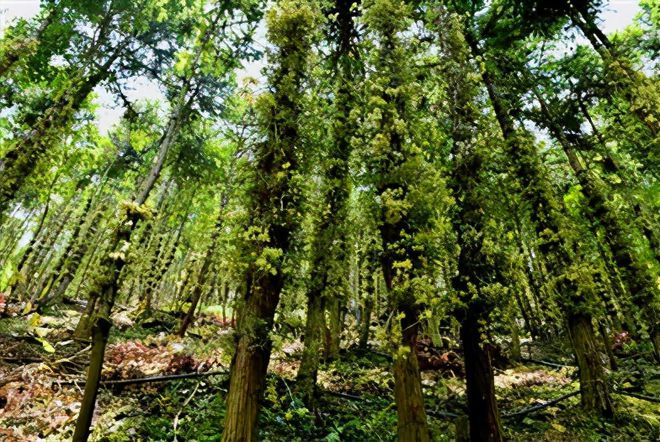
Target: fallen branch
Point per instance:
(362, 351)
(538, 407)
(163, 378)
(353, 397)
(442, 414)
(19, 359)
(639, 396)
(185, 403)
(73, 356)
(549, 364)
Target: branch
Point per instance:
(525, 411)
(442, 414)
(639, 396)
(549, 364)
(352, 397)
(149, 379)
(163, 378)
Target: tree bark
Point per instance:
(101, 331)
(276, 160)
(250, 361)
(484, 414)
(309, 363)
(593, 386)
(411, 414)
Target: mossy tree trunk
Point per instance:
(105, 285)
(483, 412)
(593, 385)
(476, 271)
(278, 161)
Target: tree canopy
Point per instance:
(421, 221)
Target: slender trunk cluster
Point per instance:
(545, 211)
(205, 272)
(19, 162)
(328, 275)
(640, 275)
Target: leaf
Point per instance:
(34, 319)
(558, 427)
(41, 331)
(26, 310)
(47, 346)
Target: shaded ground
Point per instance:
(41, 381)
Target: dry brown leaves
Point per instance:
(134, 359)
(34, 405)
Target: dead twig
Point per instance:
(185, 403)
(73, 356)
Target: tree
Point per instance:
(408, 198)
(105, 287)
(329, 248)
(277, 176)
(478, 277)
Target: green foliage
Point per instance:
(398, 158)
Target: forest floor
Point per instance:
(41, 380)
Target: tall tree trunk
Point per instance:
(250, 361)
(106, 284)
(483, 412)
(392, 182)
(100, 338)
(368, 308)
(333, 308)
(309, 363)
(593, 386)
(329, 246)
(607, 343)
(276, 161)
(476, 271)
(408, 396)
